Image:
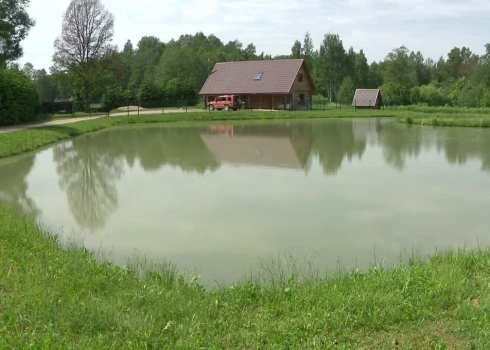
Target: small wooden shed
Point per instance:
(367, 98)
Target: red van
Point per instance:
(225, 102)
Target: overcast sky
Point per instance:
(376, 26)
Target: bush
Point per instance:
(113, 98)
(150, 95)
(428, 95)
(19, 101)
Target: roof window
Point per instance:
(259, 76)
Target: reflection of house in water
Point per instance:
(261, 145)
(366, 130)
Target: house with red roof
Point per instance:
(267, 84)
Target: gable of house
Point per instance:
(258, 77)
(367, 98)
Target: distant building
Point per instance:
(58, 106)
(367, 98)
(267, 84)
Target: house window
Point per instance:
(259, 76)
(301, 99)
(300, 78)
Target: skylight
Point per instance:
(259, 76)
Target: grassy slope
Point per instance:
(55, 298)
(445, 116)
(28, 140)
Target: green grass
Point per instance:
(32, 139)
(53, 298)
(446, 110)
(62, 297)
(29, 140)
(469, 120)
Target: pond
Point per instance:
(220, 199)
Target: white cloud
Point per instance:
(377, 26)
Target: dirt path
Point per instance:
(40, 125)
(74, 120)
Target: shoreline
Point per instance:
(21, 140)
(439, 301)
(57, 296)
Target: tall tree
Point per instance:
(29, 70)
(146, 57)
(87, 31)
(296, 50)
(308, 51)
(14, 27)
(332, 59)
(361, 70)
(399, 76)
(250, 52)
(375, 76)
(347, 91)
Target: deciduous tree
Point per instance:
(14, 27)
(87, 31)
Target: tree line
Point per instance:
(87, 67)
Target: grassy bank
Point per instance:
(472, 120)
(56, 298)
(32, 139)
(444, 116)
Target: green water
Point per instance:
(219, 199)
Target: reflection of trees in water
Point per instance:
(13, 185)
(88, 171)
(400, 143)
(462, 144)
(458, 144)
(157, 147)
(335, 141)
(89, 166)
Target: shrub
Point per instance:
(19, 101)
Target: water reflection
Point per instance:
(13, 184)
(88, 170)
(336, 141)
(219, 196)
(459, 148)
(281, 146)
(156, 147)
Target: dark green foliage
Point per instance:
(113, 98)
(19, 101)
(14, 27)
(150, 95)
(347, 91)
(429, 95)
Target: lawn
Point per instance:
(55, 298)
(62, 297)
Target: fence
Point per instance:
(130, 107)
(59, 109)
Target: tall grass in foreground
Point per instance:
(63, 298)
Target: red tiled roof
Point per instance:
(239, 77)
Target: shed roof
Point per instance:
(366, 97)
(253, 77)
